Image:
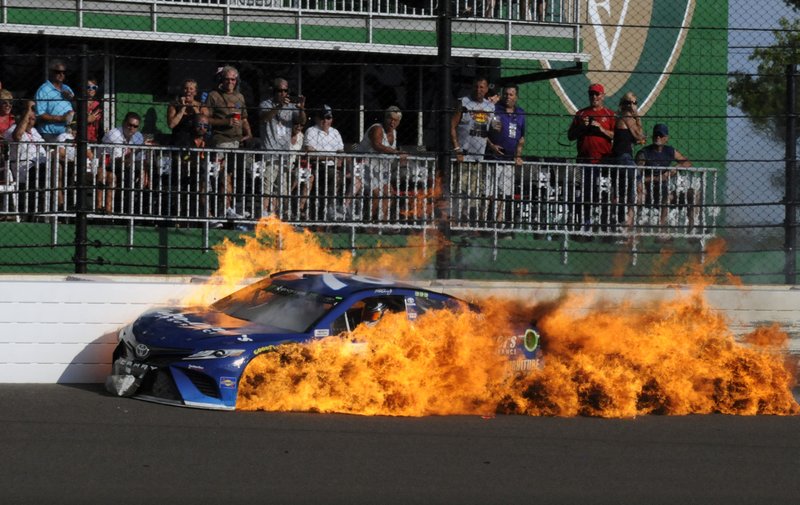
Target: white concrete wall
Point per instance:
(62, 329)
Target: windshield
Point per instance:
(275, 305)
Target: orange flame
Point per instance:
(276, 246)
(617, 360)
(611, 360)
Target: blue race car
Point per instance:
(195, 357)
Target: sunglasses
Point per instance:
(201, 125)
(132, 125)
(92, 87)
(630, 102)
(59, 71)
(594, 93)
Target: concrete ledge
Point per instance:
(62, 328)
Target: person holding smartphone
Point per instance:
(181, 112)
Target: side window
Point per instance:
(349, 320)
(425, 304)
(368, 311)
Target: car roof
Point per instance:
(338, 284)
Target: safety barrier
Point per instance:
(57, 329)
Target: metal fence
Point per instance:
(359, 192)
(717, 73)
(557, 11)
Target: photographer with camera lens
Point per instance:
(277, 115)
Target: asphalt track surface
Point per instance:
(64, 444)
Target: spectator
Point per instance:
(660, 155)
(382, 138)
(26, 159)
(181, 113)
(122, 161)
(469, 128)
(277, 115)
(66, 165)
(322, 137)
(593, 128)
(297, 142)
(505, 142)
(302, 178)
(6, 117)
(193, 168)
(54, 103)
(627, 132)
(227, 113)
(94, 109)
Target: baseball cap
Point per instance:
(597, 87)
(661, 129)
(326, 111)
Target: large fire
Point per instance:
(600, 359)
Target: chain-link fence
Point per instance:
(372, 121)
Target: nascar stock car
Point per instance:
(195, 357)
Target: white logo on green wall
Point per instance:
(634, 45)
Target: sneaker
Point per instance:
(230, 213)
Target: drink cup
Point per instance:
(237, 116)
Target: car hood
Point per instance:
(176, 327)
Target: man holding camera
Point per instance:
(277, 115)
(593, 128)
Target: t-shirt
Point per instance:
(276, 134)
(223, 106)
(512, 129)
(21, 152)
(593, 146)
(115, 136)
(49, 100)
(652, 157)
(473, 128)
(319, 140)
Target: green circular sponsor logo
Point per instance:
(531, 340)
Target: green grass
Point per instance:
(39, 248)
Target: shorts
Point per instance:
(500, 179)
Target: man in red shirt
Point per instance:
(593, 128)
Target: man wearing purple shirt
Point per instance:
(505, 143)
